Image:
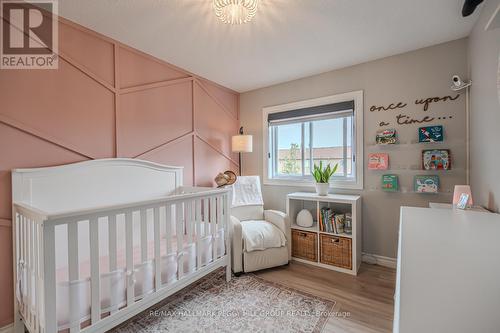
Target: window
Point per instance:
(302, 134)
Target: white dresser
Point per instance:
(448, 271)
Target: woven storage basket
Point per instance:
(304, 245)
(336, 251)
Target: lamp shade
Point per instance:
(459, 190)
(241, 144)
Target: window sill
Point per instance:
(348, 185)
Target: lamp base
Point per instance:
(239, 162)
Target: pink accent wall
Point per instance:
(108, 100)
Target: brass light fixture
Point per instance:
(235, 11)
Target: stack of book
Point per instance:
(330, 221)
(327, 220)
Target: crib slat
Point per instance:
(29, 254)
(205, 217)
(24, 249)
(156, 219)
(73, 251)
(189, 218)
(213, 225)
(20, 257)
(180, 240)
(112, 255)
(168, 228)
(226, 220)
(144, 236)
(26, 268)
(32, 287)
(218, 223)
(73, 269)
(40, 276)
(94, 271)
(49, 271)
(112, 242)
(129, 252)
(36, 266)
(17, 235)
(198, 232)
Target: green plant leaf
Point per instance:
(323, 175)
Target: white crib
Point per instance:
(97, 242)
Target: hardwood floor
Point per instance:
(367, 297)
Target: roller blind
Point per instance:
(341, 109)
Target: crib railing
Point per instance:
(28, 237)
(195, 239)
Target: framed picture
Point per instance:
(378, 161)
(390, 183)
(386, 137)
(436, 159)
(431, 134)
(426, 184)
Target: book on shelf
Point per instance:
(327, 220)
(331, 222)
(323, 214)
(318, 218)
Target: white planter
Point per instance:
(322, 188)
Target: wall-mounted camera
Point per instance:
(458, 83)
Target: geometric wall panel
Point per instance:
(88, 50)
(6, 310)
(213, 123)
(5, 194)
(79, 111)
(62, 104)
(179, 153)
(22, 150)
(149, 118)
(224, 96)
(137, 69)
(206, 173)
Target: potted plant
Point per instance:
(322, 177)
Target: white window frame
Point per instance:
(357, 182)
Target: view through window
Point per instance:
(297, 145)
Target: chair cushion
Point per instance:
(253, 212)
(261, 235)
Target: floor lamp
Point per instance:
(241, 144)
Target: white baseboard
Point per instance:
(7, 329)
(375, 259)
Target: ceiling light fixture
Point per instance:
(235, 11)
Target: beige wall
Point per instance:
(484, 57)
(419, 74)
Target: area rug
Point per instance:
(246, 304)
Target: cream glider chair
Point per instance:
(260, 238)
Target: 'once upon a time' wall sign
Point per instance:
(403, 119)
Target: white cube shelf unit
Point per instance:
(336, 251)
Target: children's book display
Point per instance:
(390, 183)
(426, 184)
(432, 159)
(431, 134)
(386, 137)
(436, 159)
(334, 223)
(378, 161)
